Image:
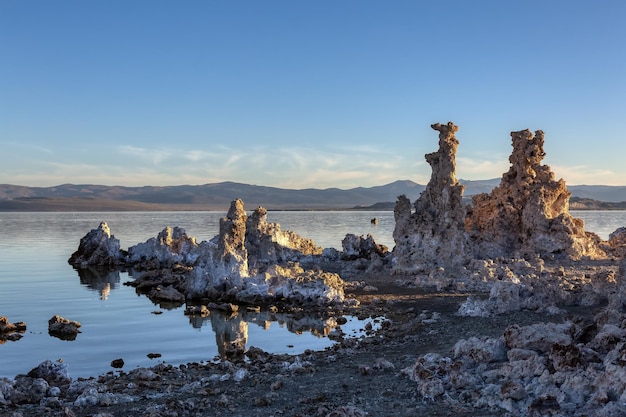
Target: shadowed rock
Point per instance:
(98, 248)
(267, 244)
(11, 331)
(6, 327)
(63, 328)
(361, 247)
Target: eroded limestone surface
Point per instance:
(528, 213)
(525, 217)
(267, 244)
(251, 260)
(98, 248)
(434, 233)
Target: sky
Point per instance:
(306, 94)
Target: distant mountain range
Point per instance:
(71, 197)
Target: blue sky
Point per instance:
(300, 94)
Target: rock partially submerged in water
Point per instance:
(251, 260)
(63, 328)
(98, 248)
(11, 331)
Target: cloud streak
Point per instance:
(295, 167)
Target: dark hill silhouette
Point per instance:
(217, 196)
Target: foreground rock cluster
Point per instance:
(573, 368)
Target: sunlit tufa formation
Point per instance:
(434, 234)
(528, 213)
(251, 260)
(526, 216)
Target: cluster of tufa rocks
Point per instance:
(250, 261)
(512, 243)
(520, 245)
(526, 216)
(574, 368)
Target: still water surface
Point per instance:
(36, 282)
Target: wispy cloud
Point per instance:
(196, 155)
(299, 166)
(470, 168)
(26, 147)
(156, 155)
(586, 175)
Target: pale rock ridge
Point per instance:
(434, 234)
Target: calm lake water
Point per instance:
(36, 282)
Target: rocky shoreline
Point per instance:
(423, 359)
(504, 307)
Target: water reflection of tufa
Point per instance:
(99, 280)
(231, 328)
